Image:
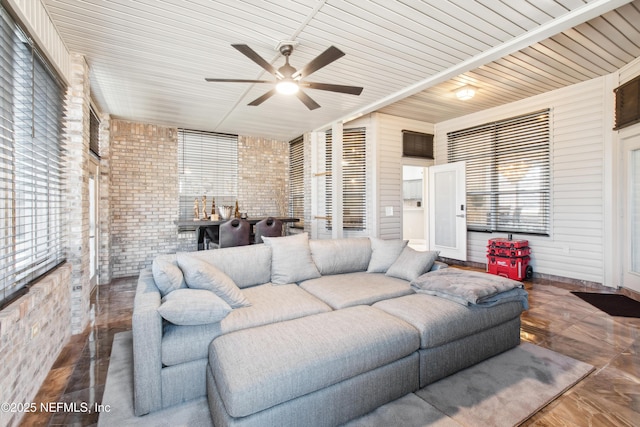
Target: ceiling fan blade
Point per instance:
(325, 58)
(263, 98)
(252, 55)
(306, 99)
(352, 90)
(237, 81)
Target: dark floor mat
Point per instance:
(612, 304)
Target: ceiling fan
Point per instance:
(289, 80)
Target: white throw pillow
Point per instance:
(384, 253)
(411, 264)
(193, 307)
(167, 275)
(291, 260)
(199, 274)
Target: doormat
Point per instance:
(612, 304)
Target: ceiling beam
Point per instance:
(575, 17)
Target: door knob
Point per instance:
(460, 216)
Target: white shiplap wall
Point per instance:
(580, 132)
(389, 170)
(34, 16)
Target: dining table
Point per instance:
(194, 224)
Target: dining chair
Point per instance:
(234, 232)
(269, 227)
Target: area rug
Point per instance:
(612, 304)
(502, 391)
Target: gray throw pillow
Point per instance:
(291, 260)
(411, 264)
(384, 253)
(193, 307)
(167, 274)
(199, 274)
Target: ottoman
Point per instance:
(320, 370)
(454, 336)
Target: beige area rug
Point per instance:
(502, 391)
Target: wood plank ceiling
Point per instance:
(148, 58)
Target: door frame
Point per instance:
(629, 142)
(94, 222)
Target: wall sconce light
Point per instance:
(466, 92)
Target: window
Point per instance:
(627, 104)
(31, 113)
(417, 144)
(508, 173)
(296, 180)
(207, 166)
(354, 179)
(94, 133)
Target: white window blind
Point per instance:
(296, 180)
(508, 173)
(354, 179)
(31, 112)
(207, 166)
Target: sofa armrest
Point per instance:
(438, 265)
(147, 346)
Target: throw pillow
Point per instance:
(291, 260)
(193, 307)
(411, 264)
(384, 253)
(167, 275)
(199, 274)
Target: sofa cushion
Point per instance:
(193, 307)
(167, 274)
(270, 304)
(411, 264)
(283, 361)
(336, 256)
(384, 253)
(201, 275)
(349, 289)
(233, 262)
(441, 321)
(291, 260)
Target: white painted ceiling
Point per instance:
(148, 58)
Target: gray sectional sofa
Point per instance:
(303, 332)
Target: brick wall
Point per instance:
(76, 163)
(33, 331)
(263, 176)
(104, 205)
(143, 194)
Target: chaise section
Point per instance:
(360, 288)
(253, 370)
(454, 336)
(269, 304)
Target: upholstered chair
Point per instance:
(269, 227)
(234, 232)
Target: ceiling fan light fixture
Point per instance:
(466, 92)
(287, 87)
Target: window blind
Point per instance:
(296, 180)
(94, 133)
(31, 113)
(508, 173)
(207, 166)
(354, 179)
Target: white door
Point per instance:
(631, 222)
(447, 210)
